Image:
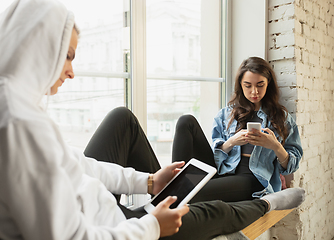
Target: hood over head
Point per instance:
(34, 40)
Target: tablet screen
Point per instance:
(183, 184)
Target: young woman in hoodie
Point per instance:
(51, 191)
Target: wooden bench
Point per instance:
(264, 223)
(258, 227)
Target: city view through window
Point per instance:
(98, 87)
(183, 67)
(184, 73)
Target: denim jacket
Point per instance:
(263, 162)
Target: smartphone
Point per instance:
(251, 125)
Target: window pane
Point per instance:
(183, 40)
(81, 103)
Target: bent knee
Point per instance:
(186, 120)
(119, 114)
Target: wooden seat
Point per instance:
(258, 227)
(264, 223)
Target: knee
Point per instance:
(119, 114)
(121, 111)
(185, 121)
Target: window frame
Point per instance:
(139, 77)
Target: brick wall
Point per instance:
(281, 51)
(314, 55)
(281, 55)
(301, 51)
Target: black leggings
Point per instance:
(190, 142)
(120, 139)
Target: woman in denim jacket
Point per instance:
(249, 164)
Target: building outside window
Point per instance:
(184, 67)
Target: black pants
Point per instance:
(190, 142)
(120, 139)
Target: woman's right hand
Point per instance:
(238, 139)
(169, 219)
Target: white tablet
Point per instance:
(185, 184)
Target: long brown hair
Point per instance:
(243, 109)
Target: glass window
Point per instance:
(184, 59)
(99, 67)
(184, 74)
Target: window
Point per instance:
(99, 67)
(184, 73)
(160, 58)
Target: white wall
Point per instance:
(248, 31)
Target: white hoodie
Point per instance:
(47, 190)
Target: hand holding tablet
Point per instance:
(185, 184)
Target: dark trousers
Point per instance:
(120, 139)
(190, 142)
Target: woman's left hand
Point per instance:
(164, 175)
(266, 139)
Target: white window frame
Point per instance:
(138, 70)
(138, 60)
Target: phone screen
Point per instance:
(182, 185)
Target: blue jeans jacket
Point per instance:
(263, 162)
